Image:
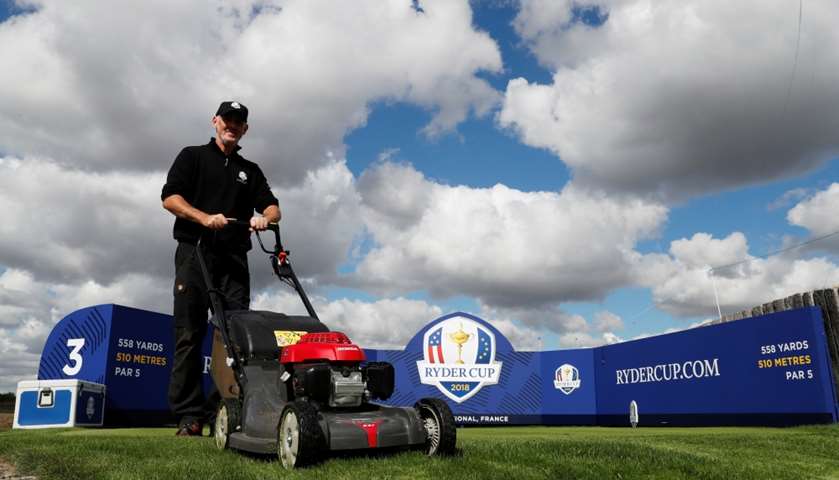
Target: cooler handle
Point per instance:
(45, 398)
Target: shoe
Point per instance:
(190, 429)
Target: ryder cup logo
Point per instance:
(90, 410)
(567, 378)
(459, 358)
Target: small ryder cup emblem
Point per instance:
(459, 358)
(567, 378)
(243, 177)
(236, 105)
(90, 408)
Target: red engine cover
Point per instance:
(329, 346)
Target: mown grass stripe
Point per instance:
(507, 452)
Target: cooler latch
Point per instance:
(45, 398)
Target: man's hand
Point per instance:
(258, 223)
(215, 222)
(182, 209)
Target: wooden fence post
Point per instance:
(797, 301)
(828, 302)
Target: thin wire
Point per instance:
(795, 62)
(766, 255)
(632, 319)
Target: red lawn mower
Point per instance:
(291, 387)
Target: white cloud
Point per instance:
(522, 338)
(789, 197)
(702, 250)
(66, 224)
(506, 247)
(25, 299)
(701, 323)
(321, 217)
(399, 194)
(682, 284)
(549, 318)
(586, 340)
(387, 323)
(528, 327)
(610, 338)
(122, 86)
(537, 17)
(18, 364)
(606, 321)
(676, 97)
(818, 215)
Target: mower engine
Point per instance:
(327, 367)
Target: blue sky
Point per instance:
(568, 171)
(481, 155)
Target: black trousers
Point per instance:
(229, 274)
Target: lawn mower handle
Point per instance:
(282, 268)
(280, 262)
(273, 226)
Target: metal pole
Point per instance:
(716, 297)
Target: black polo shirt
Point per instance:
(215, 183)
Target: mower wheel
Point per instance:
(300, 440)
(227, 421)
(438, 421)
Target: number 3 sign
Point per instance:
(75, 356)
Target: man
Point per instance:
(206, 186)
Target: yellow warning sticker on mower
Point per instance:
(287, 337)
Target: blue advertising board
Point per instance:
(127, 349)
(772, 369)
(768, 370)
(568, 387)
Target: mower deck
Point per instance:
(380, 428)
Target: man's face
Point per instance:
(229, 128)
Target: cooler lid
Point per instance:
(66, 382)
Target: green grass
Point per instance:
(510, 453)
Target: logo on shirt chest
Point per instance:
(242, 178)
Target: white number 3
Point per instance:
(75, 358)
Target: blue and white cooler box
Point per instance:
(59, 403)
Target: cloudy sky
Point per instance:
(567, 170)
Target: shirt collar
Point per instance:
(215, 145)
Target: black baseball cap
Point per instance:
(233, 107)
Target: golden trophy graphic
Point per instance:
(460, 337)
(566, 373)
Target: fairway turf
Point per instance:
(510, 452)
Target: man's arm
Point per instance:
(182, 209)
(271, 214)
